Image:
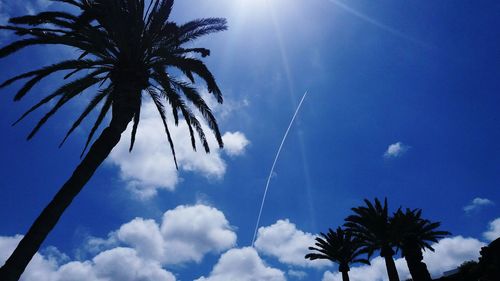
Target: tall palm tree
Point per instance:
(371, 225)
(414, 234)
(126, 47)
(339, 247)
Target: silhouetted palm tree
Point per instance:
(414, 234)
(339, 247)
(371, 225)
(126, 47)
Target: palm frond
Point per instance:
(137, 117)
(190, 65)
(200, 27)
(196, 99)
(93, 103)
(70, 91)
(73, 87)
(104, 110)
(161, 111)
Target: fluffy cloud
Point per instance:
(150, 166)
(243, 265)
(297, 274)
(186, 233)
(449, 253)
(235, 143)
(493, 230)
(374, 272)
(125, 264)
(396, 150)
(476, 204)
(191, 232)
(118, 264)
(224, 111)
(138, 250)
(285, 242)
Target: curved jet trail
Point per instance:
(272, 168)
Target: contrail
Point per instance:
(272, 168)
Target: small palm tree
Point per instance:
(126, 48)
(339, 247)
(370, 224)
(414, 234)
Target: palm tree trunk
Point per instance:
(418, 269)
(39, 230)
(345, 275)
(391, 268)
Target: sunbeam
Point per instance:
(378, 24)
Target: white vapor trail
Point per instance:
(272, 168)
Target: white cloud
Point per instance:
(493, 230)
(191, 232)
(396, 150)
(449, 253)
(235, 143)
(144, 236)
(150, 166)
(374, 272)
(225, 110)
(118, 264)
(185, 234)
(125, 264)
(476, 204)
(285, 242)
(297, 274)
(243, 265)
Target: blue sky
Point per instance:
(402, 103)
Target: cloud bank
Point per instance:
(139, 250)
(146, 250)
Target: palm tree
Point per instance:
(126, 47)
(414, 234)
(339, 247)
(371, 225)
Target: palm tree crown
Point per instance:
(412, 235)
(413, 231)
(339, 247)
(126, 49)
(370, 224)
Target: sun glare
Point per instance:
(254, 6)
